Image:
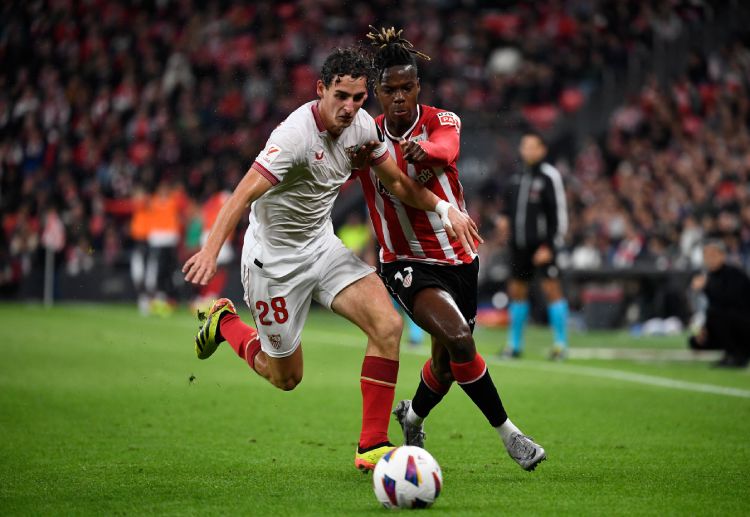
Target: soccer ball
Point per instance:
(407, 477)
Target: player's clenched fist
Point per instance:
(413, 152)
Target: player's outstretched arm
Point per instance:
(201, 267)
(458, 225)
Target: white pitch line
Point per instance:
(644, 354)
(563, 368)
(637, 378)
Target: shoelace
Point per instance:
(522, 444)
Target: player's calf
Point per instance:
(284, 373)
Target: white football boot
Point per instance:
(413, 434)
(525, 452)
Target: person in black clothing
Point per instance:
(727, 325)
(535, 219)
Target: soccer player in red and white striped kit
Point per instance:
(434, 279)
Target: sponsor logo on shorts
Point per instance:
(275, 340)
(405, 280)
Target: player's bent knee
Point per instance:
(460, 344)
(386, 332)
(287, 382)
(389, 327)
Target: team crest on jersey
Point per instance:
(275, 340)
(271, 153)
(447, 118)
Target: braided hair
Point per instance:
(392, 49)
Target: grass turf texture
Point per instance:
(98, 415)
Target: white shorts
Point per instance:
(280, 305)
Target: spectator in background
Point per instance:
(727, 319)
(139, 229)
(119, 94)
(586, 255)
(209, 211)
(165, 207)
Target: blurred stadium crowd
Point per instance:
(109, 107)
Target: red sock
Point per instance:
(466, 373)
(431, 381)
(241, 337)
(378, 383)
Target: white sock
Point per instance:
(412, 418)
(506, 430)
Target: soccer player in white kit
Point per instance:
(291, 254)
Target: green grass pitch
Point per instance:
(103, 412)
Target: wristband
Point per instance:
(442, 210)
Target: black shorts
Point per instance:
(404, 279)
(522, 265)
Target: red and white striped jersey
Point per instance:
(407, 233)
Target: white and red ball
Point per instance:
(407, 477)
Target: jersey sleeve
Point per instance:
(372, 133)
(282, 152)
(442, 146)
(556, 206)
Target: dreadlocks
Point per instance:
(352, 61)
(392, 49)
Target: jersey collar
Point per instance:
(408, 131)
(318, 119)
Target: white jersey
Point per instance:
(307, 167)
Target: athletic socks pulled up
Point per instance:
(558, 320)
(378, 384)
(241, 337)
(474, 378)
(519, 314)
(429, 394)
